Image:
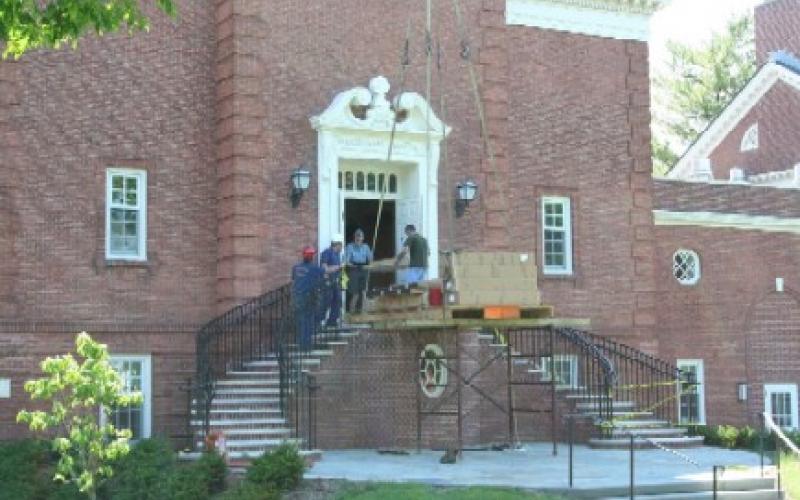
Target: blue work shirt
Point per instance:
(331, 257)
(357, 254)
(305, 278)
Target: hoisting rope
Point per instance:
(405, 61)
(466, 55)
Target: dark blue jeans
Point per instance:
(334, 304)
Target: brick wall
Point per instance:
(778, 148)
(172, 362)
(777, 23)
(725, 198)
(140, 102)
(732, 318)
(579, 127)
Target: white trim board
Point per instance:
(733, 114)
(608, 19)
(765, 223)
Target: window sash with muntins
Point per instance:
(781, 404)
(556, 236)
(691, 408)
(126, 200)
(135, 374)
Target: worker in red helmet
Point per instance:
(307, 277)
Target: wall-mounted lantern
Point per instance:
(301, 179)
(466, 191)
(741, 390)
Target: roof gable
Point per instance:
(783, 67)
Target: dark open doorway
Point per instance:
(363, 214)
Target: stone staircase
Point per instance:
(648, 431)
(246, 406)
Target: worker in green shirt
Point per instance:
(416, 246)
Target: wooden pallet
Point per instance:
(450, 313)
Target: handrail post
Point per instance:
(571, 421)
(761, 443)
(632, 467)
(715, 481)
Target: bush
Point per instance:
(144, 474)
(26, 473)
(281, 470)
(187, 483)
(213, 469)
(728, 435)
(249, 491)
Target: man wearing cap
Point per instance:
(357, 255)
(331, 262)
(416, 246)
(306, 280)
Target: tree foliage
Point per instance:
(76, 391)
(32, 24)
(698, 84)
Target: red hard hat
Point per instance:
(309, 251)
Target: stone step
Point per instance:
(241, 422)
(250, 382)
(650, 432)
(246, 402)
(639, 443)
(621, 405)
(315, 353)
(274, 363)
(770, 494)
(641, 424)
(256, 444)
(250, 391)
(269, 372)
(240, 460)
(237, 410)
(257, 433)
(623, 415)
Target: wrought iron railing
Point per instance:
(247, 332)
(598, 372)
(302, 334)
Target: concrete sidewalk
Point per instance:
(534, 467)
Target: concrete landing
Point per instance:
(597, 473)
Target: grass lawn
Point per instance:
(404, 491)
(790, 475)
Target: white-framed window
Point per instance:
(432, 371)
(126, 214)
(691, 392)
(686, 266)
(556, 235)
(750, 139)
(565, 366)
(780, 402)
(135, 371)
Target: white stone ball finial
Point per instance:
(379, 87)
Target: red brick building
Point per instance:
(732, 200)
(145, 184)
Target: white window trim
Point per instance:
(750, 139)
(142, 197)
(147, 390)
(792, 390)
(566, 270)
(701, 388)
(698, 270)
(572, 359)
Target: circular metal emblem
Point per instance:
(432, 371)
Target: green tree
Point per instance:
(697, 85)
(77, 390)
(32, 24)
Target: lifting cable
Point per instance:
(405, 61)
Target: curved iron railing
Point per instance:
(246, 332)
(598, 372)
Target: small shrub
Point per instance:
(281, 470)
(728, 435)
(249, 491)
(213, 469)
(144, 474)
(747, 438)
(188, 483)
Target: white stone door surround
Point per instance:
(345, 135)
